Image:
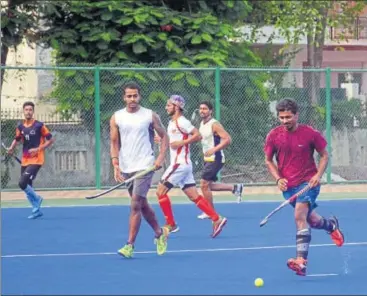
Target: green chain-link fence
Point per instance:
(76, 104)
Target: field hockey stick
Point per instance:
(138, 175)
(285, 203)
(7, 149)
(194, 116)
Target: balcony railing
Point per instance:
(357, 31)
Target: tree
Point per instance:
(137, 34)
(310, 19)
(19, 22)
(171, 34)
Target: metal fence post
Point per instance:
(217, 93)
(97, 125)
(217, 101)
(328, 122)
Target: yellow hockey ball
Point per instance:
(259, 282)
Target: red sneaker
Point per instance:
(336, 235)
(218, 226)
(299, 265)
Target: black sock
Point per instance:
(234, 188)
(303, 239)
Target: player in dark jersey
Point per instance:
(293, 145)
(35, 138)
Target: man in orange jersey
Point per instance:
(35, 138)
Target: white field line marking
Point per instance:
(323, 274)
(180, 251)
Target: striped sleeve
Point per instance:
(45, 132)
(18, 133)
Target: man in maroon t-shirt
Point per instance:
(293, 145)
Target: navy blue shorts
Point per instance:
(308, 197)
(211, 170)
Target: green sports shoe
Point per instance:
(126, 251)
(161, 241)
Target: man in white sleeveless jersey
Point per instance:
(132, 131)
(179, 173)
(214, 139)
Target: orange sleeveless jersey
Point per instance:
(32, 136)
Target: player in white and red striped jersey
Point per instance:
(179, 173)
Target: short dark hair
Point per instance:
(131, 85)
(287, 104)
(208, 104)
(28, 103)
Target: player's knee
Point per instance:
(191, 191)
(163, 188)
(136, 205)
(300, 219)
(204, 185)
(23, 182)
(160, 190)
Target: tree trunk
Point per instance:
(312, 90)
(4, 55)
(315, 48)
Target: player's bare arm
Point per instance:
(12, 147)
(324, 157)
(114, 150)
(163, 140)
(195, 136)
(225, 139)
(273, 170)
(44, 146)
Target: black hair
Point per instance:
(131, 85)
(28, 103)
(208, 104)
(287, 104)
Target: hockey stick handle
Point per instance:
(138, 175)
(283, 204)
(7, 149)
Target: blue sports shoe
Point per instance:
(37, 204)
(35, 215)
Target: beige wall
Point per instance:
(19, 86)
(23, 85)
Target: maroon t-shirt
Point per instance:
(294, 152)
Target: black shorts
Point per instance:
(211, 170)
(30, 171)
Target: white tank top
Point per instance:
(210, 140)
(179, 130)
(136, 138)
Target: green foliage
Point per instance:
(245, 113)
(140, 34)
(117, 32)
(173, 34)
(345, 113)
(297, 19)
(7, 136)
(18, 21)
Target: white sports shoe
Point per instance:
(203, 216)
(237, 191)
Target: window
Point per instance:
(71, 160)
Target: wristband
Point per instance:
(278, 181)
